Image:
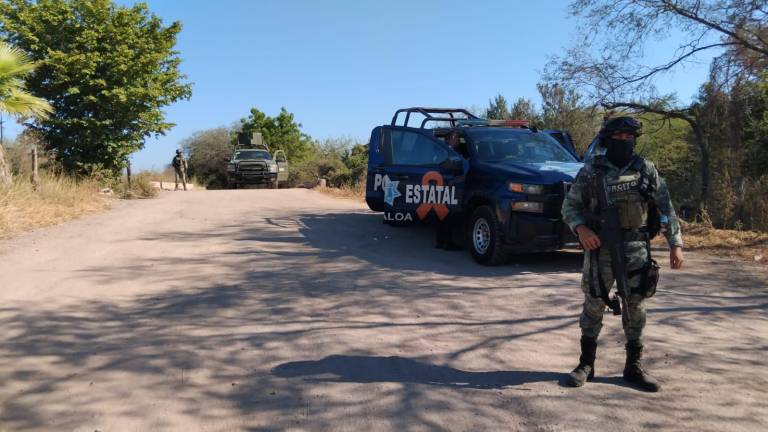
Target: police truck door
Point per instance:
(422, 178)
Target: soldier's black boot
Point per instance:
(585, 371)
(633, 371)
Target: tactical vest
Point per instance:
(624, 193)
(631, 192)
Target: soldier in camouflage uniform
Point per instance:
(634, 185)
(180, 170)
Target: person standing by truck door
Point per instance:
(445, 228)
(180, 170)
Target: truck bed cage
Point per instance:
(434, 115)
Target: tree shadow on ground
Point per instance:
(371, 369)
(227, 329)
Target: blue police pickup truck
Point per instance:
(497, 183)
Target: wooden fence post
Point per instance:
(128, 174)
(35, 180)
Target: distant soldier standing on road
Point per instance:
(636, 189)
(180, 169)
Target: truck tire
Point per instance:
(484, 237)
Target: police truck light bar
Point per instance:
(503, 123)
(508, 123)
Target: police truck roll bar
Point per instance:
(429, 115)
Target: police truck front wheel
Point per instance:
(484, 237)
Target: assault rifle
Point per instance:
(611, 237)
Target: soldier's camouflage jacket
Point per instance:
(179, 163)
(627, 191)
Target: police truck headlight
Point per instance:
(527, 206)
(273, 168)
(526, 188)
(231, 168)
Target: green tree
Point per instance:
(524, 109)
(281, 132)
(108, 71)
(14, 99)
(355, 159)
(498, 108)
(564, 108)
(208, 152)
(756, 128)
(609, 63)
(665, 142)
(342, 161)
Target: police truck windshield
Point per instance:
(510, 145)
(252, 154)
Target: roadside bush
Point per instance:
(756, 208)
(19, 160)
(141, 187)
(208, 153)
(341, 161)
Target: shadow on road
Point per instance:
(370, 369)
(363, 235)
(223, 326)
(412, 247)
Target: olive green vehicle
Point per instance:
(253, 164)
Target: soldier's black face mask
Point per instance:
(620, 152)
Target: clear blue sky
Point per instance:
(343, 67)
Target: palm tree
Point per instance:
(14, 99)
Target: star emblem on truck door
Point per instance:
(390, 190)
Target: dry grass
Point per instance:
(356, 193)
(746, 245)
(141, 187)
(166, 175)
(57, 199)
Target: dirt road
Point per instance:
(260, 310)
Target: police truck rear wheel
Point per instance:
(484, 235)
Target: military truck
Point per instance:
(253, 164)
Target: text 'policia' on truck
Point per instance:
(496, 185)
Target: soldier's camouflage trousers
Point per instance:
(591, 320)
(181, 176)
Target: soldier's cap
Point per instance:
(621, 124)
(178, 151)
